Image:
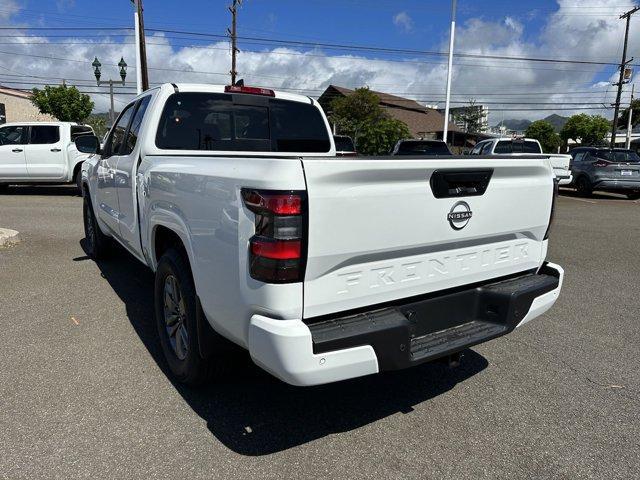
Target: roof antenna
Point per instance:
(240, 83)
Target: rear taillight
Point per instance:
(601, 163)
(553, 207)
(277, 251)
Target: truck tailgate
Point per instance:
(377, 232)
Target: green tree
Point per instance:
(623, 119)
(544, 132)
(586, 129)
(99, 124)
(66, 104)
(471, 117)
(360, 116)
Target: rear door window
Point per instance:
(44, 135)
(216, 121)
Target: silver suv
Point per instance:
(607, 170)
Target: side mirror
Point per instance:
(88, 144)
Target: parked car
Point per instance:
(525, 146)
(344, 146)
(421, 147)
(40, 152)
(324, 269)
(607, 170)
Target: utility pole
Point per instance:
(233, 34)
(627, 144)
(623, 64)
(142, 74)
(449, 71)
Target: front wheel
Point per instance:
(633, 196)
(3, 187)
(97, 243)
(78, 180)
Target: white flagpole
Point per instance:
(449, 68)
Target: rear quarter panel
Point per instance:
(198, 197)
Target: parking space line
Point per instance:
(580, 199)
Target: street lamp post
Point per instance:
(98, 73)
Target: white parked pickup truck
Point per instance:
(526, 146)
(40, 152)
(324, 268)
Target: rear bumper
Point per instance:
(400, 335)
(565, 180)
(616, 185)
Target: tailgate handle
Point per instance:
(460, 183)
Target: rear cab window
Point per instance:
(240, 122)
(423, 148)
(517, 146)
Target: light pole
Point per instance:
(123, 74)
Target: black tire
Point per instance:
(177, 327)
(4, 187)
(78, 180)
(97, 244)
(633, 196)
(583, 186)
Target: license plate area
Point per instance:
(626, 173)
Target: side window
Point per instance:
(13, 135)
(116, 137)
(503, 147)
(579, 157)
(134, 129)
(476, 150)
(486, 148)
(44, 135)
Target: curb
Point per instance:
(8, 237)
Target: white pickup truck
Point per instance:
(324, 268)
(40, 152)
(526, 146)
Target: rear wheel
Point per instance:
(175, 308)
(633, 196)
(177, 315)
(97, 243)
(583, 186)
(3, 187)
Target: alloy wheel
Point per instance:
(175, 313)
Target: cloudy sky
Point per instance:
(391, 46)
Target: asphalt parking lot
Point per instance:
(84, 391)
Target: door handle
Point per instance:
(16, 150)
(56, 150)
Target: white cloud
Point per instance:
(563, 36)
(8, 8)
(403, 21)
